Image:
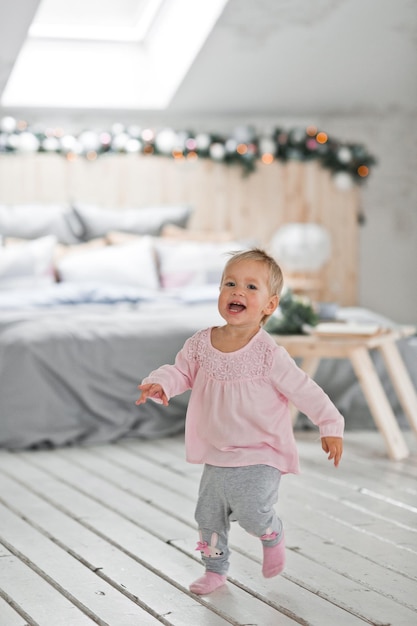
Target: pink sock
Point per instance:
(274, 559)
(207, 583)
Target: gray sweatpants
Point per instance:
(243, 494)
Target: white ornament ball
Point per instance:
(267, 145)
(119, 142)
(343, 181)
(51, 144)
(8, 124)
(89, 140)
(217, 151)
(133, 145)
(166, 141)
(27, 142)
(344, 155)
(203, 141)
(231, 145)
(68, 143)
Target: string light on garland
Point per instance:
(349, 163)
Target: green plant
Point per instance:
(294, 313)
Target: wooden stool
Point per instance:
(311, 348)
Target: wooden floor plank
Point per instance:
(159, 558)
(170, 454)
(165, 558)
(383, 581)
(362, 563)
(378, 539)
(85, 589)
(8, 616)
(364, 449)
(354, 474)
(118, 519)
(345, 593)
(64, 469)
(151, 493)
(369, 519)
(23, 587)
(287, 595)
(111, 564)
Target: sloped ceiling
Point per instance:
(15, 20)
(280, 57)
(299, 56)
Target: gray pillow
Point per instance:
(98, 221)
(31, 221)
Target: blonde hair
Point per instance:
(276, 278)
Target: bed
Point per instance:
(80, 329)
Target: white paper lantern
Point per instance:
(301, 247)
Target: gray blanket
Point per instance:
(70, 375)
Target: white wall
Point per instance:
(388, 239)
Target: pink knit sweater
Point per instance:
(238, 410)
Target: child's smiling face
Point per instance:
(245, 297)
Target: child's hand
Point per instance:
(334, 446)
(152, 390)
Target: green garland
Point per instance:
(243, 147)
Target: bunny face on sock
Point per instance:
(210, 551)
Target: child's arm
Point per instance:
(334, 446)
(309, 398)
(154, 391)
(170, 380)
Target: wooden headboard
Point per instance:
(252, 206)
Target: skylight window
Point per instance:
(95, 20)
(115, 54)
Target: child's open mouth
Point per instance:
(236, 307)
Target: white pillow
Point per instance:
(31, 221)
(28, 264)
(129, 264)
(97, 221)
(186, 263)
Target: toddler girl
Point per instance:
(238, 422)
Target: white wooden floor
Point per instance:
(106, 535)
